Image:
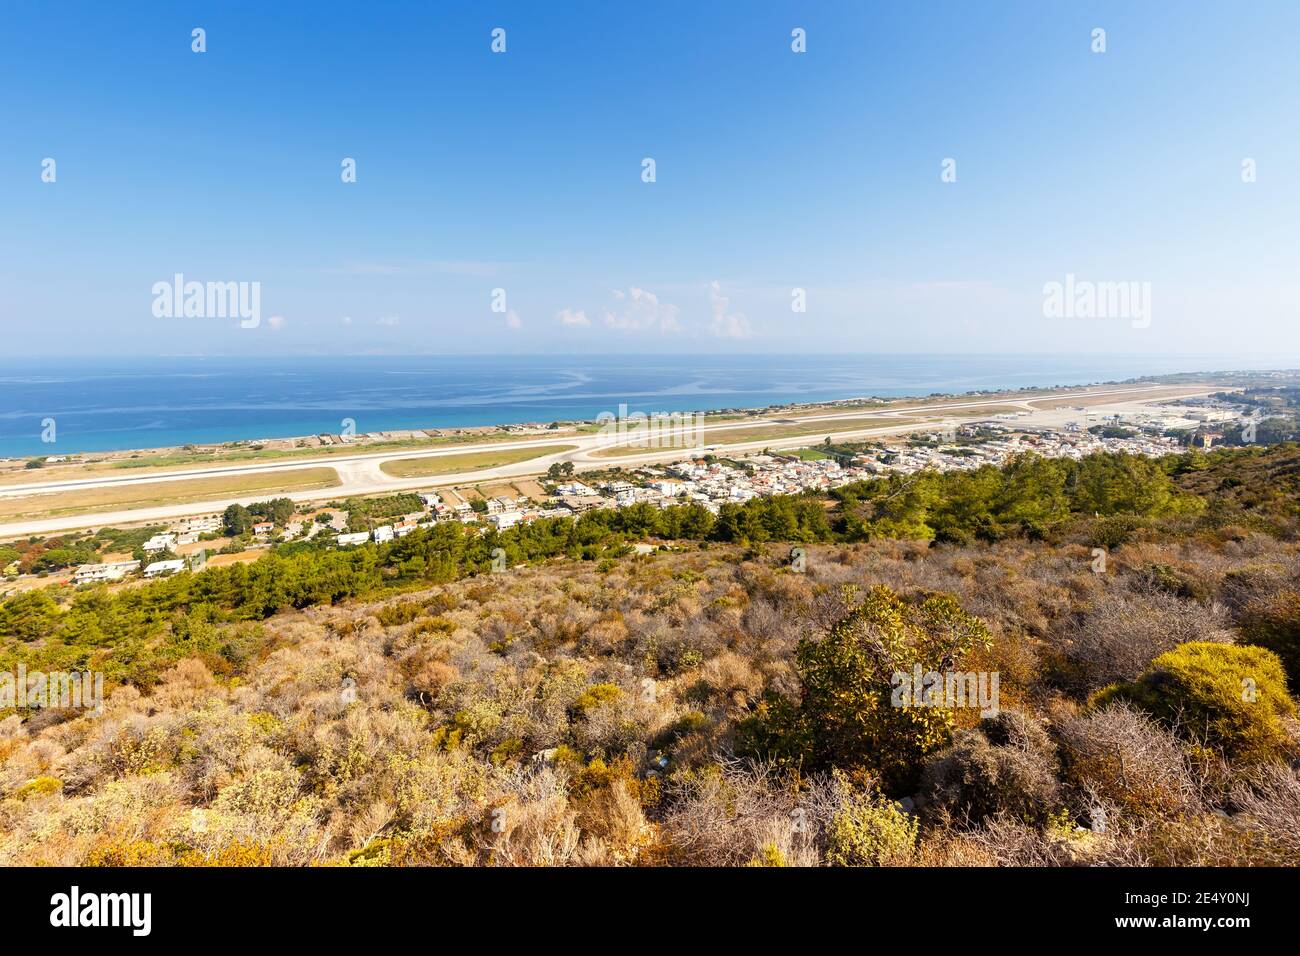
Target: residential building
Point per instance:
(505, 519)
(160, 542)
(110, 571)
(199, 524)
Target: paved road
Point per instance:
(360, 474)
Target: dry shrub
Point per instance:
(1272, 621)
(603, 637)
(727, 816)
(612, 815)
(1121, 757)
(187, 686)
(533, 825)
(428, 674)
(1268, 805)
(1123, 632)
(1010, 842)
(1007, 766)
(947, 848)
(617, 724)
(466, 701)
(731, 681)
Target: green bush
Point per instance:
(1225, 696)
(868, 830)
(846, 716)
(768, 855)
(594, 696)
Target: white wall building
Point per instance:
(160, 542)
(159, 568)
(112, 571)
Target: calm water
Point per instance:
(156, 402)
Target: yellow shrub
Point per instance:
(129, 853)
(40, 787)
(239, 853)
(1228, 697)
(869, 830)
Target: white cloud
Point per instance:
(347, 320)
(275, 321)
(642, 310)
(570, 318)
(726, 325)
(513, 321)
(636, 309)
(389, 320)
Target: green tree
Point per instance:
(847, 715)
(277, 510)
(1121, 483)
(236, 520)
(29, 616)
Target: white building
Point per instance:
(159, 568)
(201, 524)
(113, 571)
(160, 542)
(505, 519)
(383, 533)
(575, 488)
(346, 540)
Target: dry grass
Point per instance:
(768, 432)
(470, 461)
(1153, 394)
(155, 494)
(529, 489)
(148, 462)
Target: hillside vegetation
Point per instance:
(713, 703)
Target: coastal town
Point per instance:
(688, 470)
(706, 476)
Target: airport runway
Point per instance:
(360, 474)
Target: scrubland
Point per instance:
(711, 704)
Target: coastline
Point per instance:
(85, 495)
(149, 406)
(325, 443)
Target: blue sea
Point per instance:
(147, 403)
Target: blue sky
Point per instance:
(775, 171)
